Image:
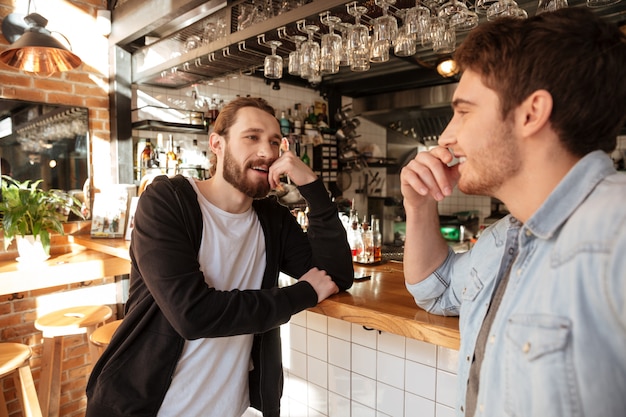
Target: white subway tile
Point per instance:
(338, 406)
(339, 352)
(317, 322)
(444, 411)
(422, 352)
(446, 388)
(416, 406)
(298, 389)
(420, 379)
(361, 410)
(364, 361)
(297, 338)
(447, 359)
(363, 391)
(317, 345)
(317, 372)
(364, 337)
(390, 370)
(392, 343)
(339, 328)
(298, 364)
(339, 380)
(318, 399)
(389, 400)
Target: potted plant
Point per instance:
(31, 214)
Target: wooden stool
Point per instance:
(102, 336)
(54, 326)
(14, 360)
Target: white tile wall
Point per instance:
(341, 369)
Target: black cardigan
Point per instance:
(169, 300)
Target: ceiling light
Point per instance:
(37, 51)
(447, 68)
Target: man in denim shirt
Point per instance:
(541, 296)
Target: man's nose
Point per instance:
(448, 136)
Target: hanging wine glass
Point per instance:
(457, 15)
(310, 54)
(508, 8)
(331, 48)
(385, 33)
(346, 58)
(273, 66)
(551, 5)
(405, 44)
(294, 56)
(358, 39)
(416, 20)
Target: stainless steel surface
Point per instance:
(241, 51)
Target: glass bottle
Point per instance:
(354, 237)
(367, 255)
(171, 160)
(147, 154)
(305, 158)
(284, 124)
(377, 240)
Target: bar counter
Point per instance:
(381, 302)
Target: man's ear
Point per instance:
(216, 143)
(534, 112)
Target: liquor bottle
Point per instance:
(367, 256)
(354, 236)
(284, 124)
(377, 239)
(147, 154)
(172, 160)
(305, 157)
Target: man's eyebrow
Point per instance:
(459, 101)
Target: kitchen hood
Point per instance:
(410, 116)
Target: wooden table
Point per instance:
(80, 264)
(384, 303)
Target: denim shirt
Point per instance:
(557, 346)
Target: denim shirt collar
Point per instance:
(570, 193)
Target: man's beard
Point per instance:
(486, 171)
(234, 174)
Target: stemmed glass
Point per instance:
(358, 39)
(310, 54)
(273, 67)
(385, 33)
(405, 44)
(551, 5)
(416, 20)
(294, 56)
(458, 15)
(332, 46)
(346, 57)
(505, 8)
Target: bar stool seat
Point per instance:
(102, 335)
(14, 360)
(55, 326)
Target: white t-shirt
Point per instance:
(211, 378)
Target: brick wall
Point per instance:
(18, 313)
(86, 86)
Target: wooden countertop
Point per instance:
(77, 265)
(112, 246)
(384, 303)
(381, 303)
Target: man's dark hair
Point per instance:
(571, 53)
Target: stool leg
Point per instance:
(94, 351)
(50, 379)
(3, 404)
(23, 381)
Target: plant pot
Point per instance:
(30, 249)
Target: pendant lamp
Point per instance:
(37, 51)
